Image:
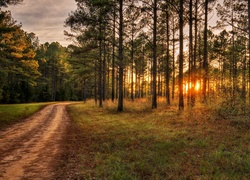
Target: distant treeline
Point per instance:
(29, 71)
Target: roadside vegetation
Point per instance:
(12, 113)
(141, 143)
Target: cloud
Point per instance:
(44, 17)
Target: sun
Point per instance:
(188, 86)
(197, 86)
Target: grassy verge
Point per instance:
(10, 114)
(141, 143)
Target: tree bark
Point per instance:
(95, 83)
(191, 57)
(195, 52)
(100, 90)
(132, 63)
(104, 72)
(173, 65)
(205, 60)
(120, 97)
(154, 95)
(167, 58)
(113, 60)
(249, 45)
(181, 99)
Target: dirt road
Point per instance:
(28, 150)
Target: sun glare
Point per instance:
(197, 86)
(187, 86)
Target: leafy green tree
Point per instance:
(82, 68)
(54, 68)
(18, 66)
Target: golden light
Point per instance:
(187, 87)
(197, 86)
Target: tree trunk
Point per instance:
(173, 81)
(191, 57)
(195, 53)
(159, 93)
(249, 47)
(154, 95)
(120, 98)
(108, 75)
(243, 94)
(117, 84)
(95, 83)
(124, 82)
(113, 61)
(181, 99)
(84, 91)
(100, 90)
(233, 63)
(104, 71)
(167, 58)
(132, 65)
(205, 60)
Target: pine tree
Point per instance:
(181, 58)
(121, 63)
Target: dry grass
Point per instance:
(141, 143)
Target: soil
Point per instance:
(33, 148)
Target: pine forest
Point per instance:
(141, 90)
(160, 50)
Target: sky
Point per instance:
(45, 18)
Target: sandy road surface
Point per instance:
(29, 149)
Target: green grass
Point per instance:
(12, 113)
(141, 143)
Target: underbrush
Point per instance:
(230, 106)
(141, 143)
(233, 110)
(10, 114)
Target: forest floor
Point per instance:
(30, 149)
(141, 143)
(83, 141)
